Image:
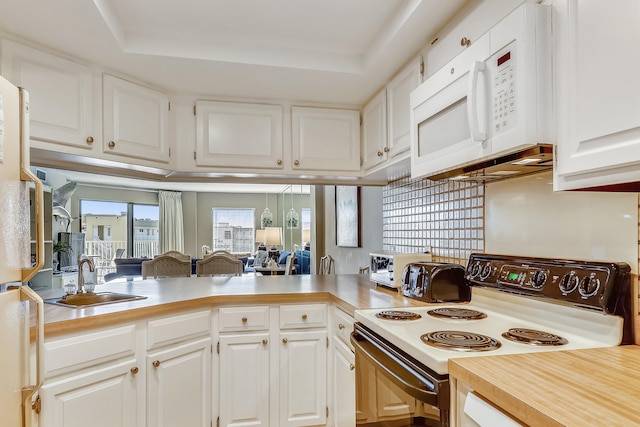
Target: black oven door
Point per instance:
(394, 389)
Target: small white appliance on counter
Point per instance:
(493, 99)
(16, 385)
(385, 268)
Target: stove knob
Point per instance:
(474, 270)
(486, 271)
(539, 279)
(569, 282)
(589, 286)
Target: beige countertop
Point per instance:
(349, 292)
(593, 387)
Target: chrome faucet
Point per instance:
(82, 260)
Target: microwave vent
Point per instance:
(538, 158)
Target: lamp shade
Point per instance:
(306, 235)
(260, 236)
(273, 236)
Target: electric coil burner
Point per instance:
(460, 341)
(397, 315)
(533, 337)
(457, 313)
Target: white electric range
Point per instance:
(517, 305)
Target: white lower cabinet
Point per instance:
(102, 397)
(303, 378)
(179, 384)
(244, 379)
(154, 373)
(272, 365)
(344, 385)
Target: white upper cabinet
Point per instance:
(374, 131)
(60, 90)
(399, 108)
(325, 139)
(239, 135)
(598, 93)
(135, 120)
(472, 22)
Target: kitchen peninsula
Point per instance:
(194, 347)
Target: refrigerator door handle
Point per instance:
(27, 175)
(27, 294)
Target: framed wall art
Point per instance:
(348, 216)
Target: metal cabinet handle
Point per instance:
(244, 320)
(341, 326)
(89, 140)
(284, 340)
(465, 42)
(296, 162)
(351, 367)
(304, 317)
(279, 162)
(386, 149)
(379, 153)
(156, 363)
(134, 370)
(112, 144)
(265, 341)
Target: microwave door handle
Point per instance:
(477, 67)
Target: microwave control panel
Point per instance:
(504, 89)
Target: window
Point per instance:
(233, 229)
(109, 226)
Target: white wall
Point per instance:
(349, 260)
(524, 216)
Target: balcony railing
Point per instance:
(103, 253)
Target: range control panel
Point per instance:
(591, 284)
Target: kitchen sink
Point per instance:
(91, 299)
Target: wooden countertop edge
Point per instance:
(135, 314)
(501, 398)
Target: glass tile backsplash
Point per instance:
(446, 217)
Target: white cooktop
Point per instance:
(581, 327)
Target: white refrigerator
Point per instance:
(21, 256)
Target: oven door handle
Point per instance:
(407, 378)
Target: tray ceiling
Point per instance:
(327, 51)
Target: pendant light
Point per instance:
(293, 219)
(266, 218)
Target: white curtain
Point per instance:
(171, 222)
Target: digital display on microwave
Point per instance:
(504, 58)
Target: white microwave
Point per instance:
(494, 98)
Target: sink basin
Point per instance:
(92, 299)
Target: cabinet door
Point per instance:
(244, 379)
(179, 384)
(374, 130)
(60, 102)
(344, 385)
(103, 397)
(325, 139)
(598, 92)
(135, 120)
(399, 108)
(231, 134)
(303, 378)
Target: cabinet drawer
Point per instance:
(174, 329)
(342, 325)
(303, 316)
(244, 318)
(88, 349)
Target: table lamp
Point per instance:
(260, 240)
(273, 238)
(306, 239)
